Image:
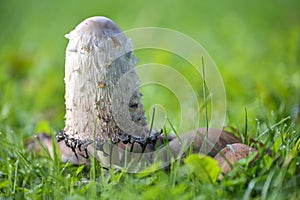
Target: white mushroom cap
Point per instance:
(98, 107)
(96, 25)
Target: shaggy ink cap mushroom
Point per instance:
(102, 98)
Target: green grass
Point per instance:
(276, 176)
(256, 46)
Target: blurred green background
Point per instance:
(255, 44)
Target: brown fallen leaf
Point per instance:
(218, 139)
(233, 153)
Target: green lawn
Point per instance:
(255, 45)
